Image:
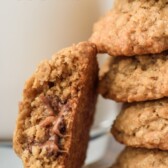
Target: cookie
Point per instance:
(56, 112)
(143, 124)
(141, 158)
(133, 27)
(138, 78)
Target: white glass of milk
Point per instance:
(32, 30)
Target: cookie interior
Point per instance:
(51, 99)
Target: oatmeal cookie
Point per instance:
(133, 27)
(56, 112)
(143, 124)
(138, 78)
(141, 158)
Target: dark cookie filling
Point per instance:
(54, 124)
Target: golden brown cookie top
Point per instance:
(133, 27)
(62, 65)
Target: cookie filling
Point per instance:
(54, 126)
(55, 122)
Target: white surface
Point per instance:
(97, 149)
(8, 159)
(32, 30)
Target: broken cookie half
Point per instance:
(56, 112)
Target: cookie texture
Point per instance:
(138, 78)
(143, 124)
(57, 110)
(133, 27)
(141, 158)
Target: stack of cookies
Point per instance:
(135, 34)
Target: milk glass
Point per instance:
(32, 30)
